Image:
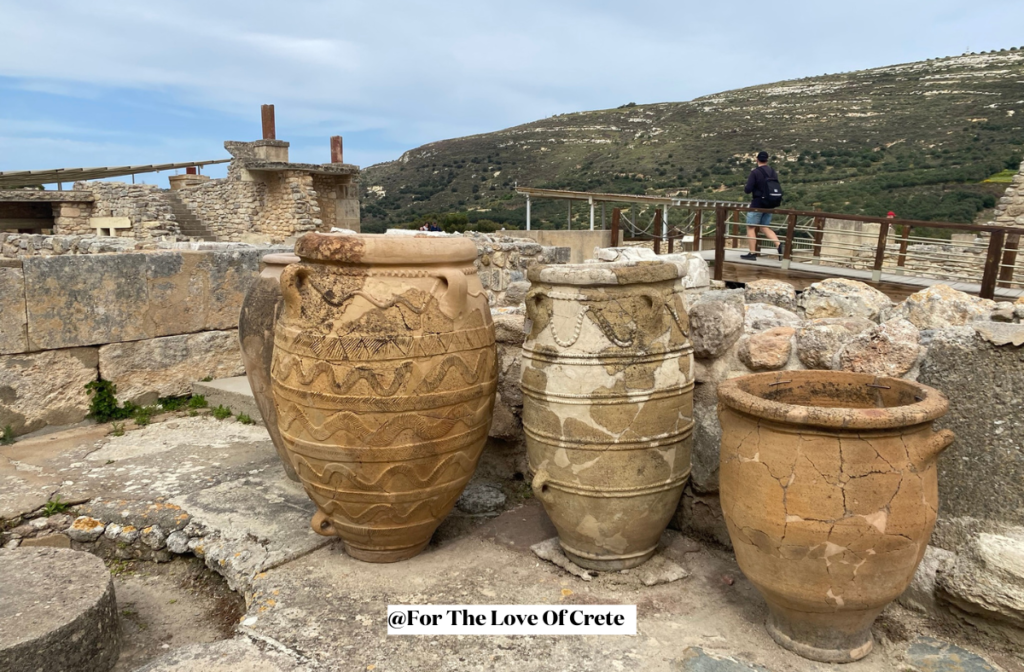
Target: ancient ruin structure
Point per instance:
(265, 198)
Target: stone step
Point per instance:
(234, 393)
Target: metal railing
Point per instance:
(988, 256)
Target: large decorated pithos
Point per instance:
(256, 337)
(608, 405)
(384, 374)
(829, 490)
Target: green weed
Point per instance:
(173, 403)
(197, 401)
(117, 429)
(221, 412)
(245, 419)
(54, 506)
(7, 436)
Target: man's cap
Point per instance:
(762, 156)
(891, 214)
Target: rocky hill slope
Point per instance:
(917, 138)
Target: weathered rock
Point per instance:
(980, 476)
(1001, 334)
(987, 579)
(714, 326)
(927, 654)
(48, 541)
(890, 349)
(167, 367)
(58, 613)
(768, 350)
(700, 516)
(231, 655)
(551, 550)
(76, 300)
(13, 318)
(761, 316)
(177, 542)
(942, 306)
(86, 529)
(153, 536)
(659, 570)
(515, 293)
(1003, 312)
(774, 292)
(694, 659)
(481, 499)
(45, 388)
(818, 341)
(707, 435)
(839, 297)
(920, 595)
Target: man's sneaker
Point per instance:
(749, 257)
(782, 249)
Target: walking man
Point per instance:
(757, 185)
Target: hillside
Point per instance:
(917, 138)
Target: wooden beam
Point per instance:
(1009, 260)
(992, 259)
(719, 242)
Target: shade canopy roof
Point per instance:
(29, 178)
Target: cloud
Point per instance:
(400, 74)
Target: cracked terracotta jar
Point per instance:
(607, 384)
(829, 490)
(384, 374)
(256, 338)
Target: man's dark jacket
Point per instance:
(757, 184)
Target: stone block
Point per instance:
(167, 367)
(987, 581)
(13, 319)
(942, 306)
(96, 299)
(46, 388)
(890, 349)
(921, 593)
(981, 473)
(839, 297)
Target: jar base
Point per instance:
(811, 636)
(384, 555)
(608, 563)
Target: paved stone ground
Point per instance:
(311, 607)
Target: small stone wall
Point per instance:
(226, 208)
(1010, 208)
(151, 322)
(502, 262)
(146, 205)
(291, 206)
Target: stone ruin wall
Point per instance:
(145, 205)
(1010, 208)
(226, 208)
(291, 206)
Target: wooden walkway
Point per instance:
(801, 275)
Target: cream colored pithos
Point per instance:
(608, 405)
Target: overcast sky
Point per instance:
(111, 83)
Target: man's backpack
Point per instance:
(773, 190)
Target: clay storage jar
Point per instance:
(256, 337)
(607, 405)
(384, 374)
(829, 490)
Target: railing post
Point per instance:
(568, 217)
(901, 260)
(616, 214)
(719, 241)
(883, 233)
(819, 234)
(992, 259)
(698, 224)
(787, 254)
(655, 229)
(736, 230)
(591, 213)
(527, 212)
(1009, 260)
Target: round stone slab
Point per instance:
(57, 612)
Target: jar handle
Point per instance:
(453, 302)
(292, 279)
(321, 524)
(540, 486)
(938, 442)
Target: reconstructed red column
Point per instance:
(269, 129)
(336, 149)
